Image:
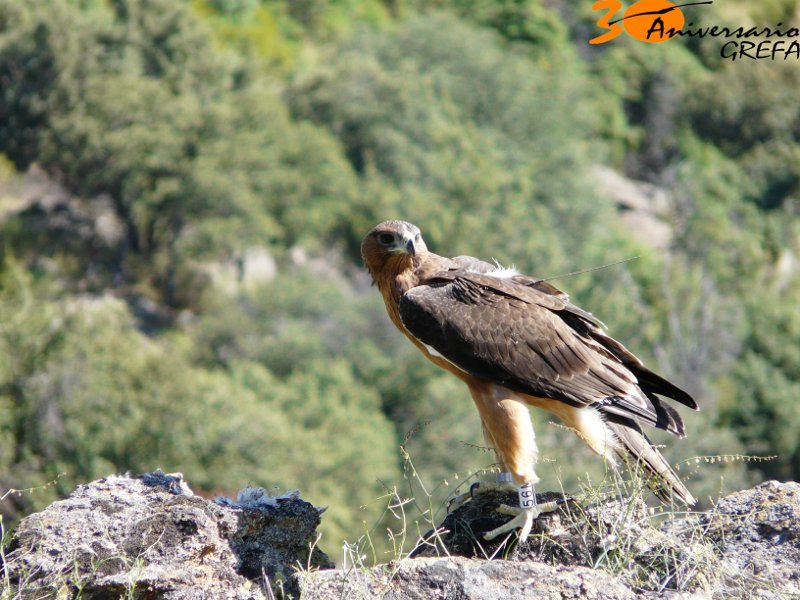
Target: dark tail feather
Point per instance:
(650, 382)
(638, 452)
(655, 384)
(667, 418)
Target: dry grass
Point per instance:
(609, 526)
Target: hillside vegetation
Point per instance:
(183, 190)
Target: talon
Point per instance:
(472, 489)
(508, 510)
(523, 519)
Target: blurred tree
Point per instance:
(761, 406)
(441, 111)
(715, 224)
(339, 429)
(86, 395)
(137, 104)
(746, 118)
(649, 84)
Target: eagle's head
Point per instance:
(392, 245)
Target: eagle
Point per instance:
(517, 341)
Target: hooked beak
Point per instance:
(410, 247)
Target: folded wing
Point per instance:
(526, 335)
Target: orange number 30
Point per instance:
(612, 6)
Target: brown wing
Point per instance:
(475, 265)
(533, 340)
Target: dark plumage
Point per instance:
(536, 343)
(513, 338)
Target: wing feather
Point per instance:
(530, 338)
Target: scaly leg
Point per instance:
(507, 424)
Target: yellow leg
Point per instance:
(507, 426)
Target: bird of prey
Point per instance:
(516, 342)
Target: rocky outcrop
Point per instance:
(151, 537)
(644, 209)
(463, 579)
(748, 546)
(756, 535)
(614, 534)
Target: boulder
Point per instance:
(151, 537)
(463, 579)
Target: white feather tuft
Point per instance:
(503, 272)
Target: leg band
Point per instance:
(504, 477)
(527, 497)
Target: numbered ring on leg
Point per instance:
(527, 497)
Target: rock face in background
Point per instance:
(645, 209)
(150, 537)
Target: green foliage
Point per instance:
(327, 405)
(441, 111)
(760, 405)
(755, 128)
(720, 229)
(140, 107)
(87, 394)
(249, 29)
(641, 103)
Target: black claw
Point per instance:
(474, 487)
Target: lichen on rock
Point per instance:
(151, 537)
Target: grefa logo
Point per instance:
(656, 21)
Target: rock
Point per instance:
(47, 206)
(461, 532)
(249, 269)
(463, 579)
(151, 537)
(748, 546)
(756, 535)
(643, 208)
(576, 534)
(274, 535)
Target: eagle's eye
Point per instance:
(385, 238)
